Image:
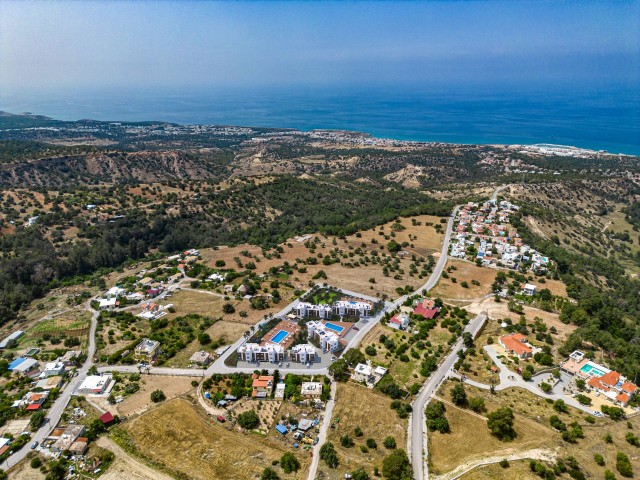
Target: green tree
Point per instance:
(476, 404)
(36, 420)
(340, 370)
(248, 420)
(623, 465)
(360, 474)
(560, 406)
(329, 455)
(269, 474)
(289, 462)
(36, 462)
(157, 396)
(500, 424)
(609, 475)
(228, 308)
(204, 338)
(396, 466)
(458, 395)
(353, 356)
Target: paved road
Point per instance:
(322, 436)
(55, 412)
(418, 441)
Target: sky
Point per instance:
(49, 45)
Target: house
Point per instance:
(69, 358)
(95, 385)
(399, 321)
(24, 366)
(303, 353)
(201, 358)
(515, 344)
(280, 388)
(262, 386)
(426, 309)
(49, 383)
(216, 277)
(11, 339)
(147, 350)
(529, 289)
(134, 297)
(66, 438)
(362, 373)
(114, 292)
(52, 369)
(34, 400)
(311, 389)
(145, 282)
(107, 303)
(174, 278)
(107, 418)
(153, 292)
(254, 352)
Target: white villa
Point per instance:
(368, 374)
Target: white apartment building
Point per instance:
(329, 340)
(254, 352)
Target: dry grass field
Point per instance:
(180, 437)
(464, 271)
(358, 406)
(141, 400)
(23, 471)
(267, 410)
(424, 239)
(125, 467)
(515, 471)
(473, 441)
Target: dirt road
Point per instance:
(125, 467)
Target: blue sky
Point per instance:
(52, 45)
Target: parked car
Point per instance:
(34, 445)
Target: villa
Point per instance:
(368, 374)
(262, 386)
(399, 321)
(426, 309)
(516, 344)
(147, 350)
(611, 384)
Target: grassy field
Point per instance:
(515, 471)
(357, 406)
(185, 441)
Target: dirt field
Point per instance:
(464, 271)
(141, 401)
(23, 471)
(125, 467)
(179, 436)
(357, 406)
(267, 410)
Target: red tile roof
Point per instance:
(628, 387)
(427, 309)
(623, 398)
(596, 383)
(610, 378)
(106, 417)
(33, 406)
(513, 343)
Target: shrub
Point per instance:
(289, 462)
(157, 396)
(500, 424)
(328, 454)
(504, 463)
(346, 441)
(36, 462)
(389, 442)
(371, 443)
(609, 475)
(396, 466)
(560, 406)
(623, 465)
(357, 432)
(269, 474)
(477, 404)
(599, 459)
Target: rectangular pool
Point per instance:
(280, 336)
(334, 327)
(589, 369)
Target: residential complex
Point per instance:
(328, 334)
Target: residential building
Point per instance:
(67, 437)
(69, 358)
(311, 389)
(52, 369)
(426, 308)
(283, 334)
(353, 308)
(49, 383)
(362, 373)
(254, 352)
(529, 289)
(95, 385)
(107, 303)
(262, 386)
(114, 292)
(399, 321)
(329, 340)
(147, 350)
(201, 358)
(516, 344)
(303, 353)
(304, 309)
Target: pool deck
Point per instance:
(287, 326)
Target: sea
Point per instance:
(597, 117)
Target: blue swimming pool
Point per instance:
(280, 336)
(590, 369)
(334, 327)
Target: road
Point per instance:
(55, 412)
(418, 430)
(322, 436)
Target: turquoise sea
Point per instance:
(599, 118)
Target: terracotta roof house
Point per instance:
(516, 344)
(426, 309)
(262, 385)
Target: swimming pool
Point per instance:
(280, 336)
(590, 369)
(334, 327)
